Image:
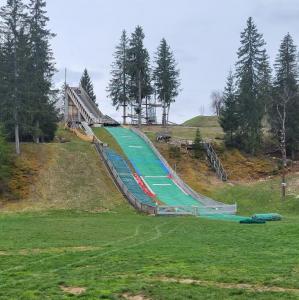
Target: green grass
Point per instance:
(202, 121)
(185, 132)
(82, 233)
(113, 253)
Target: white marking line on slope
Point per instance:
(155, 176)
(180, 188)
(162, 184)
(143, 180)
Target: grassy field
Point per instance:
(49, 255)
(76, 237)
(185, 132)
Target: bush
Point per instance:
(174, 152)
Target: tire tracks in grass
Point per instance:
(17, 268)
(156, 237)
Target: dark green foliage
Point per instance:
(251, 71)
(139, 71)
(41, 72)
(118, 88)
(87, 85)
(174, 152)
(285, 94)
(229, 116)
(197, 146)
(27, 108)
(166, 77)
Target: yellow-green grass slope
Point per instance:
(63, 176)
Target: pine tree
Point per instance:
(251, 57)
(284, 109)
(166, 78)
(87, 85)
(118, 88)
(265, 82)
(139, 71)
(229, 115)
(42, 68)
(13, 23)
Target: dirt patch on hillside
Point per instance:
(248, 287)
(134, 297)
(73, 290)
(36, 251)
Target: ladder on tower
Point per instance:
(215, 161)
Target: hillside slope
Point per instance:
(65, 176)
(202, 121)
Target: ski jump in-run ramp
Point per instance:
(161, 182)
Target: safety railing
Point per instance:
(88, 116)
(118, 180)
(215, 161)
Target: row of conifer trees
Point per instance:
(27, 100)
(135, 79)
(255, 98)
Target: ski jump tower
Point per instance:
(79, 108)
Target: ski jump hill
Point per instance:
(142, 175)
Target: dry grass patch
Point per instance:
(134, 297)
(222, 285)
(73, 290)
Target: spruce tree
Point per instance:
(229, 114)
(139, 71)
(166, 78)
(13, 22)
(284, 109)
(87, 85)
(251, 57)
(42, 69)
(118, 88)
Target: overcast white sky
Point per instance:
(204, 36)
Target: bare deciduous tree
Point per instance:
(217, 101)
(281, 108)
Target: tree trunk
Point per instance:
(283, 153)
(17, 134)
(164, 113)
(124, 113)
(37, 132)
(139, 99)
(167, 118)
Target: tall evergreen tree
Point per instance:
(42, 68)
(251, 57)
(118, 88)
(284, 109)
(139, 71)
(265, 82)
(13, 22)
(229, 114)
(166, 78)
(87, 85)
